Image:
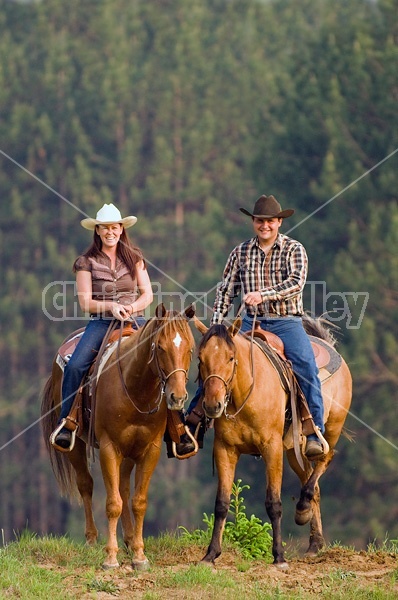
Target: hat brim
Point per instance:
(284, 214)
(92, 223)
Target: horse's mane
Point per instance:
(320, 328)
(173, 321)
(219, 331)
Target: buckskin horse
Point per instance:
(130, 420)
(243, 393)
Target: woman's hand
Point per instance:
(120, 312)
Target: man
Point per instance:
(270, 272)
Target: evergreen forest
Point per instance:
(180, 112)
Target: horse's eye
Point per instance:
(231, 359)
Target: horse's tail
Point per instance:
(60, 464)
(348, 434)
(320, 328)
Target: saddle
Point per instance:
(80, 416)
(298, 421)
(69, 344)
(326, 357)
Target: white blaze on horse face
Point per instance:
(177, 340)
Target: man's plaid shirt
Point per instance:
(279, 276)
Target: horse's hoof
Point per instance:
(108, 566)
(208, 564)
(283, 566)
(91, 540)
(140, 565)
(303, 517)
(315, 546)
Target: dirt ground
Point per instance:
(305, 577)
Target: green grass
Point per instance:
(60, 569)
(34, 567)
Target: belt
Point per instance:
(273, 316)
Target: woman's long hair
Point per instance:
(128, 253)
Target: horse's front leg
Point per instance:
(144, 469)
(127, 523)
(84, 482)
(110, 465)
(225, 460)
(273, 458)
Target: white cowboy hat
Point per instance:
(107, 215)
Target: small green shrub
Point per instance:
(249, 535)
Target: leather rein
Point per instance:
(228, 390)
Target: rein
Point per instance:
(228, 392)
(230, 416)
(93, 381)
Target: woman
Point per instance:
(112, 283)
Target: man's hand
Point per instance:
(252, 298)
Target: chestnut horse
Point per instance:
(243, 393)
(130, 421)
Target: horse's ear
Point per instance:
(190, 311)
(235, 327)
(199, 325)
(160, 311)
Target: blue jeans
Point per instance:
(83, 357)
(299, 351)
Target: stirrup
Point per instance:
(189, 454)
(320, 437)
(56, 432)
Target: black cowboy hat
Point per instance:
(267, 207)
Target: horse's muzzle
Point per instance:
(176, 402)
(213, 410)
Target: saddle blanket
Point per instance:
(328, 360)
(68, 347)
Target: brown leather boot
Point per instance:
(64, 438)
(314, 449)
(185, 446)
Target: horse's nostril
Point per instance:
(178, 400)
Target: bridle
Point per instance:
(163, 377)
(160, 373)
(228, 391)
(226, 383)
